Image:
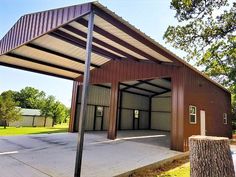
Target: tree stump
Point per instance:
(210, 157)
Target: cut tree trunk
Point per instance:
(210, 157)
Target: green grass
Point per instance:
(11, 131)
(181, 171)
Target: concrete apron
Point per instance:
(54, 154)
(155, 165)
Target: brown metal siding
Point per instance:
(31, 26)
(209, 97)
(73, 105)
(185, 91)
(124, 70)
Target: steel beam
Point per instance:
(35, 70)
(84, 99)
(160, 93)
(100, 42)
(34, 46)
(104, 86)
(119, 41)
(154, 85)
(138, 88)
(82, 44)
(115, 22)
(32, 60)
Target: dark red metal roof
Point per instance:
(32, 43)
(33, 25)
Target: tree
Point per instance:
(8, 110)
(30, 98)
(54, 109)
(210, 156)
(207, 34)
(11, 93)
(47, 108)
(59, 113)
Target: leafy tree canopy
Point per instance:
(30, 97)
(8, 110)
(54, 109)
(207, 33)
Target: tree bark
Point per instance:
(45, 120)
(5, 124)
(210, 157)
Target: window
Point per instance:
(99, 111)
(225, 120)
(136, 114)
(192, 114)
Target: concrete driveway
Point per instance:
(54, 154)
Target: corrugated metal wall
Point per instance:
(130, 102)
(28, 121)
(33, 25)
(210, 98)
(98, 96)
(161, 113)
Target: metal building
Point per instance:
(135, 83)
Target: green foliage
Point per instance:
(11, 131)
(207, 33)
(30, 98)
(54, 109)
(8, 110)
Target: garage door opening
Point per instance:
(144, 113)
(144, 110)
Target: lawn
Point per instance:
(10, 131)
(181, 171)
(177, 168)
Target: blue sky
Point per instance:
(152, 17)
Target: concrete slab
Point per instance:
(233, 150)
(54, 154)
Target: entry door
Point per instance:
(203, 122)
(98, 124)
(136, 127)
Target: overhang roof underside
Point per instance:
(147, 88)
(53, 42)
(61, 51)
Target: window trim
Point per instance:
(190, 114)
(138, 113)
(225, 118)
(97, 107)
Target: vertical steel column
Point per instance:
(83, 108)
(120, 109)
(150, 113)
(74, 105)
(112, 126)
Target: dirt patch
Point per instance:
(150, 172)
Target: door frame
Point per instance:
(202, 123)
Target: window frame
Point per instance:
(192, 114)
(138, 114)
(97, 108)
(225, 118)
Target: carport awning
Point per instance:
(54, 42)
